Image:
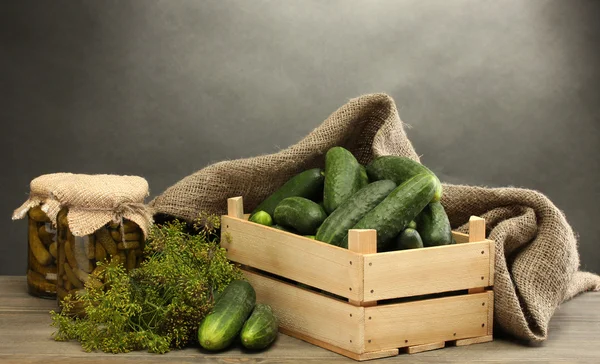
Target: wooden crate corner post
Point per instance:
(476, 229)
(476, 234)
(362, 241)
(235, 207)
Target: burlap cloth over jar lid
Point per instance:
(95, 200)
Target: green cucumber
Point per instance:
(220, 327)
(302, 214)
(434, 226)
(342, 177)
(310, 237)
(364, 177)
(412, 224)
(261, 217)
(399, 170)
(335, 227)
(308, 184)
(283, 228)
(397, 210)
(260, 330)
(408, 239)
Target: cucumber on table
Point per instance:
(335, 227)
(302, 214)
(233, 306)
(408, 239)
(260, 330)
(433, 225)
(399, 170)
(307, 184)
(342, 177)
(398, 209)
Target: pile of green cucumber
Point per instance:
(396, 196)
(236, 314)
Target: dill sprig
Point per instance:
(157, 306)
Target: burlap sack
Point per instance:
(40, 193)
(536, 250)
(95, 200)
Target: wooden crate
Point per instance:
(364, 304)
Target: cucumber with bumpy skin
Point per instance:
(433, 225)
(399, 170)
(302, 214)
(408, 239)
(260, 330)
(342, 177)
(307, 184)
(398, 209)
(335, 227)
(233, 306)
(261, 217)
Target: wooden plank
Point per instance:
(301, 259)
(460, 238)
(490, 320)
(492, 262)
(476, 229)
(362, 241)
(425, 347)
(322, 318)
(476, 290)
(335, 349)
(426, 321)
(25, 337)
(429, 270)
(474, 340)
(235, 207)
(14, 297)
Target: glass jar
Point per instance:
(78, 255)
(41, 255)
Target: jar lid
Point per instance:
(95, 200)
(40, 193)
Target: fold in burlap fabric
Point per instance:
(536, 251)
(95, 200)
(40, 193)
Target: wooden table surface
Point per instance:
(25, 338)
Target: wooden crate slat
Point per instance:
(474, 340)
(425, 347)
(423, 271)
(460, 237)
(427, 321)
(304, 260)
(324, 319)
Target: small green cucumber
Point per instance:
(433, 225)
(302, 214)
(260, 330)
(233, 306)
(307, 184)
(408, 239)
(261, 217)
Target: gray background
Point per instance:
(498, 92)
